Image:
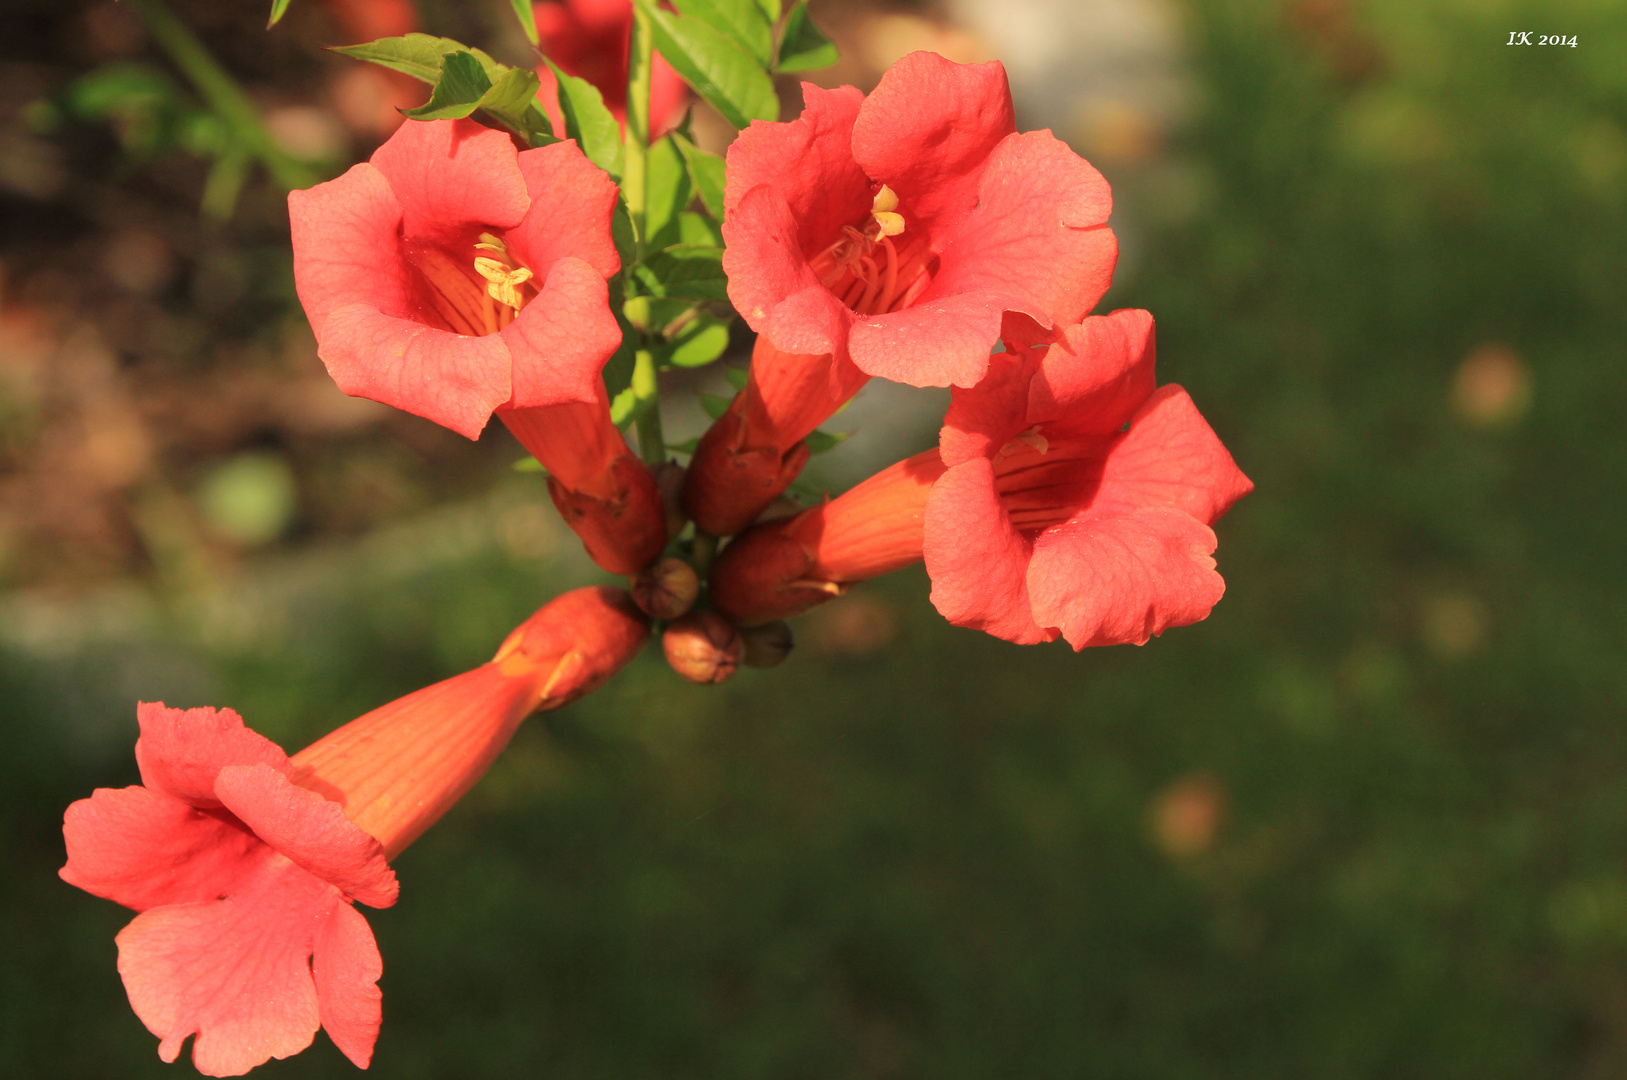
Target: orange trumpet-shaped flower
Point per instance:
(245, 864)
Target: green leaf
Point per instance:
(699, 229)
(529, 464)
(738, 377)
(714, 405)
(418, 55)
(701, 342)
(803, 46)
(458, 91)
(588, 121)
(512, 102)
(623, 406)
(651, 314)
(705, 173)
(621, 232)
(691, 271)
(821, 441)
(743, 21)
(667, 192)
(618, 370)
(771, 9)
(722, 72)
(528, 19)
(278, 7)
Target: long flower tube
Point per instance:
(1068, 497)
(244, 864)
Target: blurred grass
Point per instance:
(943, 857)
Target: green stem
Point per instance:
(222, 93)
(651, 443)
(636, 142)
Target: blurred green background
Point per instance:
(1368, 820)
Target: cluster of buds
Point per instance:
(912, 234)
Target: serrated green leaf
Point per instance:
(821, 441)
(714, 405)
(743, 21)
(667, 192)
(705, 173)
(738, 377)
(458, 91)
(278, 8)
(512, 102)
(722, 72)
(804, 46)
(771, 9)
(701, 342)
(588, 121)
(418, 55)
(690, 271)
(529, 464)
(528, 19)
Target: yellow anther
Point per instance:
(1033, 438)
(504, 282)
(492, 243)
(891, 224)
(886, 201)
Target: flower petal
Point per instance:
(1108, 579)
(235, 972)
(449, 378)
(983, 418)
(937, 341)
(1098, 375)
(309, 829)
(571, 203)
(347, 967)
(562, 338)
(809, 161)
(767, 270)
(1171, 457)
(141, 849)
(180, 750)
(927, 130)
(346, 248)
(977, 560)
(453, 179)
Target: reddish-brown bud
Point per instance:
(667, 589)
(756, 449)
(669, 481)
(703, 647)
(783, 568)
(767, 645)
(603, 491)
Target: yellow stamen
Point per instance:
(890, 224)
(885, 202)
(489, 242)
(504, 282)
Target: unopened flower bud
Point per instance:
(703, 647)
(767, 645)
(667, 589)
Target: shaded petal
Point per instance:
(1171, 457)
(235, 972)
(563, 337)
(940, 341)
(1098, 375)
(762, 259)
(983, 418)
(180, 750)
(309, 829)
(1038, 238)
(141, 849)
(1108, 580)
(453, 179)
(977, 560)
(346, 968)
(571, 203)
(452, 379)
(927, 131)
(809, 162)
(346, 239)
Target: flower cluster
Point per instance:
(911, 234)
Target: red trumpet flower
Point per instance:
(895, 230)
(244, 864)
(1068, 497)
(589, 39)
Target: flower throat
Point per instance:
(867, 270)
